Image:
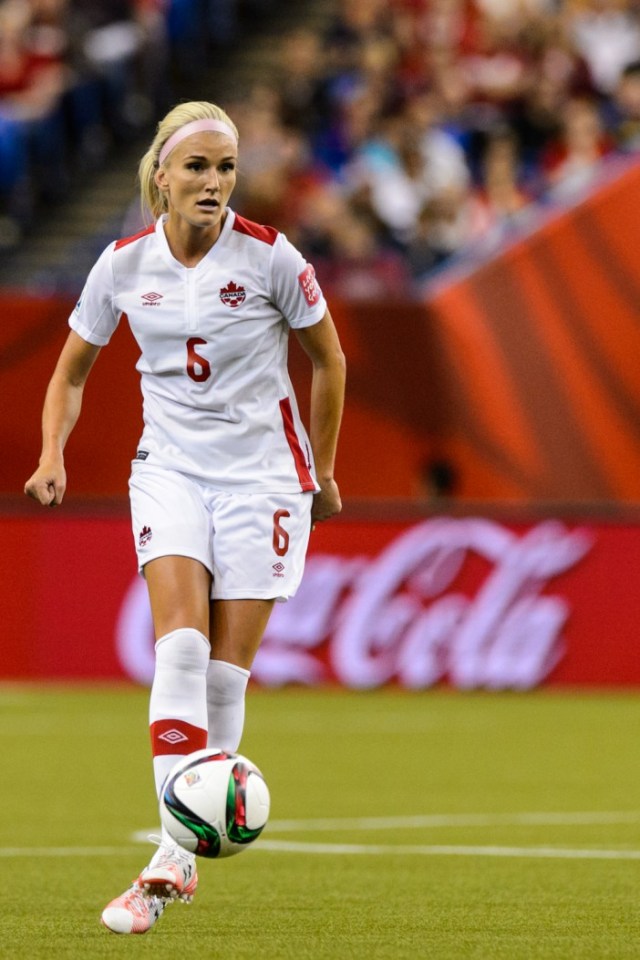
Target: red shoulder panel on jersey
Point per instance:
(136, 236)
(266, 234)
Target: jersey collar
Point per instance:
(169, 258)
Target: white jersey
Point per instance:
(217, 399)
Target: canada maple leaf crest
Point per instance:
(144, 536)
(232, 295)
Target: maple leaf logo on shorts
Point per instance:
(145, 536)
(232, 295)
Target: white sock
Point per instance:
(178, 703)
(226, 686)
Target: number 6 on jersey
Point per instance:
(198, 367)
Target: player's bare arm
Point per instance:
(320, 342)
(62, 405)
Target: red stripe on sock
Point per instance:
(176, 737)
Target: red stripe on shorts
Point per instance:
(302, 467)
(176, 737)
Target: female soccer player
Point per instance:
(225, 486)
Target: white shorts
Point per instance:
(253, 544)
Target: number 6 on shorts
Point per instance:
(280, 535)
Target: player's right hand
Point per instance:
(326, 503)
(47, 485)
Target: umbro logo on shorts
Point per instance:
(278, 568)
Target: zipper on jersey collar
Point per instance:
(191, 301)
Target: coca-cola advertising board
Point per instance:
(471, 602)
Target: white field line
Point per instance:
(537, 818)
(351, 824)
(337, 849)
(347, 849)
(435, 820)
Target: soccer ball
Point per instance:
(214, 803)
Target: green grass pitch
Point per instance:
(441, 825)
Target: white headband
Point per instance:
(195, 126)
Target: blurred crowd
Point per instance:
(414, 132)
(404, 136)
(78, 78)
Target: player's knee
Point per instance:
(183, 649)
(226, 682)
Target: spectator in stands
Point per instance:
(319, 209)
(352, 123)
(300, 81)
(624, 120)
(607, 34)
(359, 266)
(124, 43)
(271, 155)
(410, 162)
(571, 163)
(74, 76)
(556, 73)
(33, 77)
(355, 22)
(447, 227)
(496, 65)
(502, 203)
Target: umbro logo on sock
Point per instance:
(173, 736)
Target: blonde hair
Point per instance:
(152, 199)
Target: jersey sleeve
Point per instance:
(95, 317)
(295, 290)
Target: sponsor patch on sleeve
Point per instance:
(309, 285)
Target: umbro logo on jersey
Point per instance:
(144, 536)
(151, 299)
(232, 295)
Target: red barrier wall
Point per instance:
(472, 602)
(540, 348)
(32, 333)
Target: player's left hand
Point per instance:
(326, 503)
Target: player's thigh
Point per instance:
(259, 545)
(169, 516)
(179, 590)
